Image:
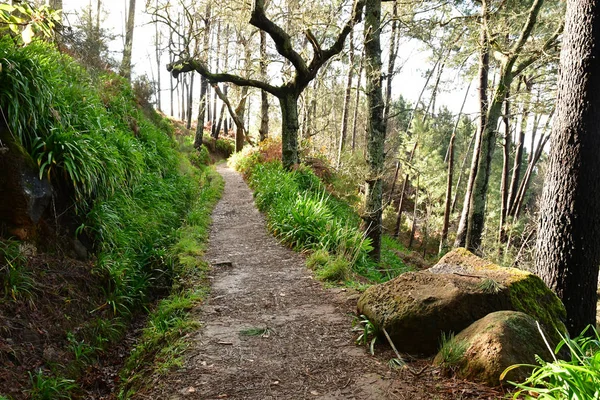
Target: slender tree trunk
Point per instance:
(484, 65)
(126, 63)
(157, 53)
(190, 101)
(461, 173)
(450, 176)
(568, 250)
(346, 109)
(217, 57)
(515, 211)
(376, 128)
(357, 101)
(516, 175)
(413, 228)
(506, 148)
(264, 96)
(391, 61)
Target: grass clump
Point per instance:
(452, 352)
(577, 378)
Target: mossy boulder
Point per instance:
(492, 344)
(417, 307)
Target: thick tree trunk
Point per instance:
(289, 129)
(126, 63)
(346, 109)
(568, 250)
(375, 128)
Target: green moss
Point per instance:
(531, 296)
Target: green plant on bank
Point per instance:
(368, 333)
(577, 378)
(129, 186)
(16, 280)
(161, 344)
(49, 388)
(452, 351)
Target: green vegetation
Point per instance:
(451, 352)
(577, 378)
(161, 346)
(368, 333)
(117, 169)
(303, 214)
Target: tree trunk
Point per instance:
(484, 65)
(516, 175)
(375, 128)
(157, 53)
(506, 148)
(450, 153)
(201, 113)
(346, 109)
(126, 63)
(190, 102)
(289, 129)
(357, 102)
(217, 57)
(413, 228)
(264, 99)
(568, 250)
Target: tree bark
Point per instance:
(126, 63)
(357, 102)
(516, 175)
(346, 109)
(450, 176)
(375, 128)
(506, 148)
(264, 96)
(484, 65)
(568, 250)
(475, 217)
(289, 128)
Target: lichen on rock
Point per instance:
(417, 307)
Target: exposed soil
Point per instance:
(306, 349)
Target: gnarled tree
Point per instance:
(289, 91)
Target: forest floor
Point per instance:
(269, 330)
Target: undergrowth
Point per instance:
(161, 345)
(303, 214)
(577, 378)
(124, 182)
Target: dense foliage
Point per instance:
(574, 378)
(303, 214)
(119, 174)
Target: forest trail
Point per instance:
(306, 349)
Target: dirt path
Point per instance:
(307, 351)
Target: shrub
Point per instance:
(577, 378)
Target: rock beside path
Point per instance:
(491, 345)
(417, 307)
